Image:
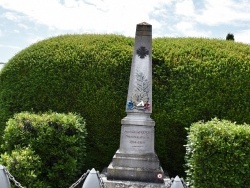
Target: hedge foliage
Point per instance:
(196, 79)
(218, 154)
(193, 79)
(44, 150)
(25, 166)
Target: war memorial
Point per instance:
(135, 163)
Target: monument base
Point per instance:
(134, 167)
(128, 184)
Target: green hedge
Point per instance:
(44, 150)
(196, 79)
(87, 74)
(193, 79)
(218, 154)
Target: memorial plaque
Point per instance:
(137, 139)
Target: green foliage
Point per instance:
(193, 79)
(230, 36)
(26, 166)
(87, 74)
(218, 154)
(196, 79)
(41, 149)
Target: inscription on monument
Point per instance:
(137, 138)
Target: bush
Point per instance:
(218, 154)
(47, 148)
(26, 166)
(193, 79)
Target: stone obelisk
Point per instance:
(136, 160)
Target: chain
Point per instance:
(169, 184)
(101, 181)
(12, 178)
(72, 186)
(80, 179)
(184, 183)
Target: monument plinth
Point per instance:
(136, 160)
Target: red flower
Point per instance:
(147, 106)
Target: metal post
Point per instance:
(4, 180)
(177, 183)
(92, 180)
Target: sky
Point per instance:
(24, 22)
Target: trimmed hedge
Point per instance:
(193, 79)
(196, 79)
(218, 154)
(44, 150)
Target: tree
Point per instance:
(230, 36)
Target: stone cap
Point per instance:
(143, 29)
(135, 118)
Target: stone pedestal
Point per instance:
(136, 159)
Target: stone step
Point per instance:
(135, 174)
(136, 161)
(135, 184)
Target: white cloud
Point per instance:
(11, 16)
(39, 19)
(192, 19)
(23, 26)
(185, 8)
(8, 51)
(113, 16)
(242, 36)
(108, 16)
(183, 26)
(70, 3)
(10, 46)
(224, 12)
(188, 29)
(34, 39)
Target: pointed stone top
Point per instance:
(92, 180)
(143, 29)
(92, 171)
(177, 178)
(177, 183)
